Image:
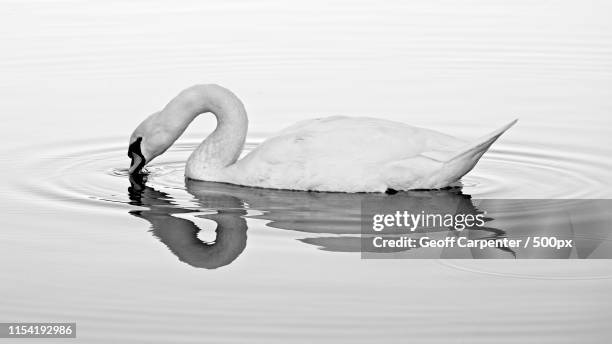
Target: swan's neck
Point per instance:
(221, 148)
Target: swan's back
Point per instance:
(336, 154)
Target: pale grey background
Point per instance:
(77, 76)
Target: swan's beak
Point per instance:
(136, 164)
(138, 160)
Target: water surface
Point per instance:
(171, 260)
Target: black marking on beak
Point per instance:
(138, 160)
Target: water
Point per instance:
(80, 242)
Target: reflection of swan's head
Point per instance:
(177, 227)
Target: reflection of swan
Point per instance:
(332, 220)
(180, 235)
(324, 212)
(327, 154)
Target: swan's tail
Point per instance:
(466, 158)
(474, 150)
(436, 169)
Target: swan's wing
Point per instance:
(358, 154)
(350, 139)
(336, 153)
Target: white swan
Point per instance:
(344, 154)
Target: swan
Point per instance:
(337, 154)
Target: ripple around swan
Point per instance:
(551, 270)
(91, 176)
(95, 172)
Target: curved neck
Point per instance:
(221, 148)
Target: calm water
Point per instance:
(176, 261)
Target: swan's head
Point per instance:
(159, 131)
(135, 154)
(149, 140)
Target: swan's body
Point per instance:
(345, 154)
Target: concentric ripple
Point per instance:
(96, 170)
(91, 176)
